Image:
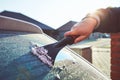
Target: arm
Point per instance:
(103, 20)
(109, 20)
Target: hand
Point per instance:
(82, 30)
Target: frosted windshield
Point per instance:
(17, 62)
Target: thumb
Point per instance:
(69, 33)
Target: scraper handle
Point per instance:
(65, 41)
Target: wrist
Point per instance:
(91, 22)
(94, 18)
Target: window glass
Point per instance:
(18, 63)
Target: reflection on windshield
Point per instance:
(73, 68)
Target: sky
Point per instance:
(56, 13)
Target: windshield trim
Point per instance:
(33, 27)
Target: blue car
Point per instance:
(17, 62)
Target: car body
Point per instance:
(18, 63)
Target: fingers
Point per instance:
(77, 38)
(72, 33)
(80, 38)
(67, 33)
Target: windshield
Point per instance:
(18, 63)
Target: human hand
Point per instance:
(82, 30)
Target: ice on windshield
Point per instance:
(16, 61)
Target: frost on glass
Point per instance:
(18, 63)
(42, 54)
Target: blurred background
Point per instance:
(55, 13)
